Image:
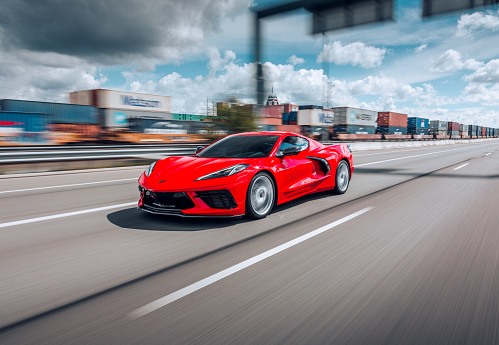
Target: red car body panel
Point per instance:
(294, 176)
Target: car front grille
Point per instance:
(167, 200)
(222, 199)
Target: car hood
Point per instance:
(174, 172)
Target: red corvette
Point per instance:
(244, 174)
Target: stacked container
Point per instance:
(287, 108)
(285, 118)
(59, 112)
(438, 127)
(484, 131)
(418, 126)
(354, 121)
(21, 127)
(392, 123)
(293, 118)
(315, 117)
(473, 131)
(453, 130)
(463, 131)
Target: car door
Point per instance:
(295, 172)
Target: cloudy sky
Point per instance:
(443, 68)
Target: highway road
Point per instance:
(409, 255)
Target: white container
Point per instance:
(110, 99)
(355, 116)
(315, 117)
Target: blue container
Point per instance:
(293, 116)
(392, 130)
(60, 112)
(353, 129)
(23, 127)
(418, 131)
(285, 117)
(418, 122)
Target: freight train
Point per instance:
(31, 122)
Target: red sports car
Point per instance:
(244, 174)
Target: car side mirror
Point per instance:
(288, 151)
(199, 149)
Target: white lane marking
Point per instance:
(68, 214)
(163, 301)
(487, 154)
(461, 166)
(406, 157)
(68, 185)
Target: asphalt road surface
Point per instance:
(409, 255)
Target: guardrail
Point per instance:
(81, 155)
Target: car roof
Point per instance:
(268, 133)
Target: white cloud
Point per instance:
(294, 60)
(479, 93)
(217, 63)
(45, 76)
(354, 54)
(421, 48)
(472, 22)
(451, 61)
(485, 74)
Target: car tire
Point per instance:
(342, 178)
(260, 197)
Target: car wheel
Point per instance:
(342, 179)
(260, 196)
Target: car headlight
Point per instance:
(225, 172)
(149, 169)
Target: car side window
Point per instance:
(294, 141)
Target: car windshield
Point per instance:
(241, 146)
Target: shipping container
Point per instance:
(23, 127)
(285, 118)
(391, 119)
(354, 116)
(269, 121)
(452, 126)
(463, 128)
(484, 131)
(418, 122)
(392, 130)
(287, 108)
(315, 117)
(293, 116)
(454, 134)
(59, 112)
(418, 130)
(473, 130)
(274, 111)
(116, 118)
(353, 129)
(438, 132)
(320, 133)
(188, 117)
(438, 125)
(153, 125)
(310, 107)
(111, 99)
